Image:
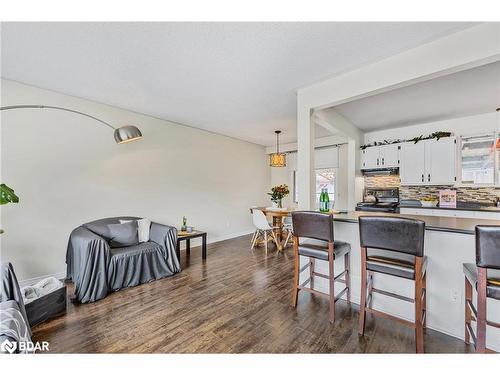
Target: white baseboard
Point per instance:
(211, 240)
(27, 282)
(230, 236)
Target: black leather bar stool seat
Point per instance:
(484, 277)
(313, 237)
(393, 246)
(393, 266)
(319, 249)
(492, 283)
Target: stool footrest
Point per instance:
(305, 267)
(472, 308)
(321, 294)
(305, 283)
(340, 275)
(493, 324)
(384, 315)
(394, 295)
(341, 294)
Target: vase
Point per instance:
(277, 204)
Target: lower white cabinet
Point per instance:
(450, 213)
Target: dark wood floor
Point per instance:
(238, 301)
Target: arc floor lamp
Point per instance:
(122, 134)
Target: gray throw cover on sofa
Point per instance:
(96, 268)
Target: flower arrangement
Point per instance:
(279, 192)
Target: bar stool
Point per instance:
(317, 231)
(484, 276)
(397, 249)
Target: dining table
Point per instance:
(277, 215)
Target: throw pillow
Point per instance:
(144, 227)
(123, 235)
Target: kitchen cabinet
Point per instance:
(440, 158)
(428, 162)
(386, 156)
(467, 214)
(412, 169)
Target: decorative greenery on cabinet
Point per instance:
(436, 135)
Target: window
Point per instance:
(325, 178)
(478, 159)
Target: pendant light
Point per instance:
(277, 159)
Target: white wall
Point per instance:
(476, 124)
(67, 170)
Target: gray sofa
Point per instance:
(14, 324)
(97, 268)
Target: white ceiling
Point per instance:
(460, 94)
(237, 79)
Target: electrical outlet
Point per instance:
(454, 295)
(228, 224)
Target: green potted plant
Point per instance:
(7, 195)
(277, 193)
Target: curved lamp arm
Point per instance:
(122, 134)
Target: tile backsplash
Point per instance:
(486, 195)
(382, 181)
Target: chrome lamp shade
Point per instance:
(127, 133)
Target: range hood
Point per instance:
(380, 171)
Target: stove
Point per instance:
(380, 200)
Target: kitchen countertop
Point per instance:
(459, 208)
(435, 223)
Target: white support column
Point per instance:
(305, 157)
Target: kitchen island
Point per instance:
(449, 242)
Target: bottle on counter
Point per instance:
(324, 201)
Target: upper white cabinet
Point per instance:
(389, 156)
(412, 169)
(386, 156)
(428, 162)
(440, 159)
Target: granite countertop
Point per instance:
(435, 223)
(461, 206)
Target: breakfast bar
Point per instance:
(449, 242)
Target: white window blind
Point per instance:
(327, 157)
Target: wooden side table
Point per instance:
(185, 236)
